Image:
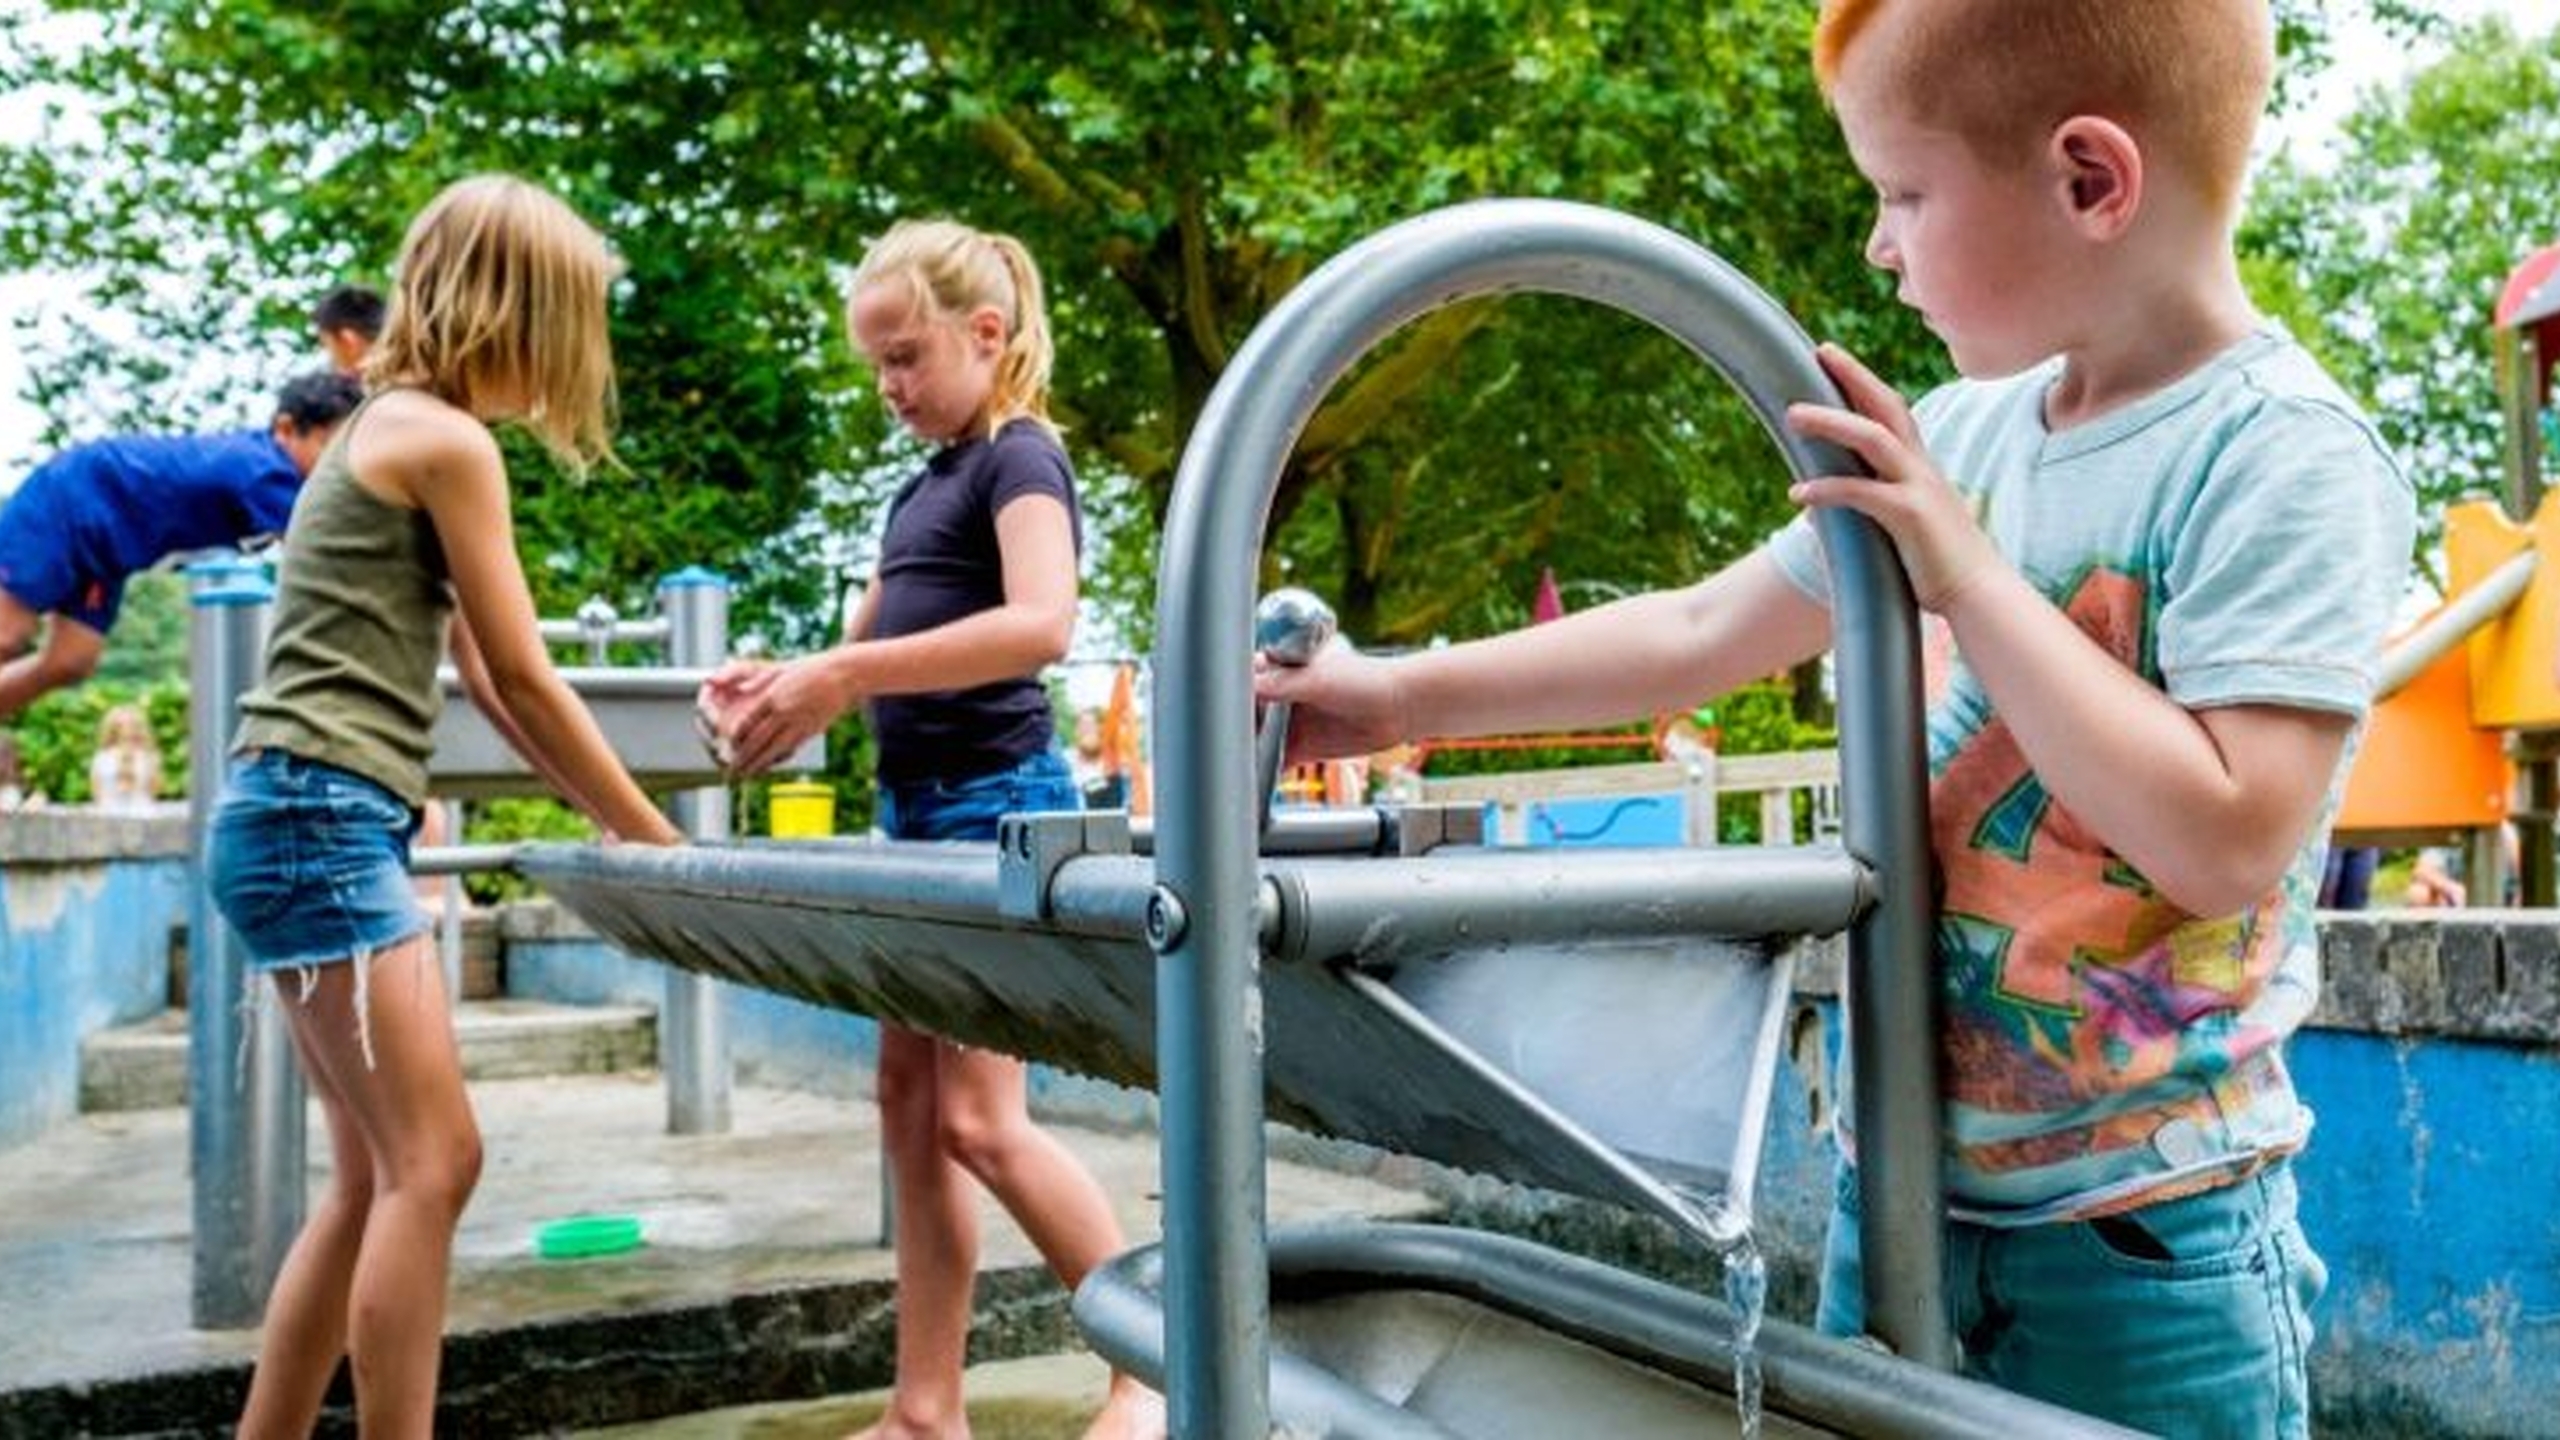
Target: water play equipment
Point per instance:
(1601, 1023)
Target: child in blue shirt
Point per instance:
(89, 518)
(2156, 550)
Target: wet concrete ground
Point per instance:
(760, 1277)
(1047, 1398)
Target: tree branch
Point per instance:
(1385, 385)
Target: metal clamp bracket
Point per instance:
(1030, 849)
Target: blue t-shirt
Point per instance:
(939, 562)
(129, 501)
(2239, 537)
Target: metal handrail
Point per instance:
(1209, 1012)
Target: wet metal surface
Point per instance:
(1425, 1006)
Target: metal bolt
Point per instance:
(1166, 919)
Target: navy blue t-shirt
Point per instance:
(939, 562)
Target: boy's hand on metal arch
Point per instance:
(1942, 549)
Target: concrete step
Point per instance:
(143, 1066)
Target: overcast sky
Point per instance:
(2364, 57)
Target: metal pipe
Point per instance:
(578, 632)
(1209, 1003)
(1380, 910)
(613, 682)
(693, 1032)
(245, 1134)
(450, 903)
(1289, 627)
(2452, 623)
(464, 859)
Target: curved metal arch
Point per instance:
(1209, 1035)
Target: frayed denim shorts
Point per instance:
(310, 863)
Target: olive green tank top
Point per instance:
(359, 628)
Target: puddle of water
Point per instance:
(1044, 1398)
(1011, 1419)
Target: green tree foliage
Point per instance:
(2394, 251)
(1177, 168)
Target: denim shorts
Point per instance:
(968, 809)
(310, 863)
(2190, 1317)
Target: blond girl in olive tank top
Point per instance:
(402, 543)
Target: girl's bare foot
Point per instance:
(1130, 1412)
(893, 1426)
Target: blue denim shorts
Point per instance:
(968, 809)
(310, 863)
(2188, 1317)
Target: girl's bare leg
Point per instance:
(407, 1102)
(305, 1331)
(937, 1246)
(986, 1127)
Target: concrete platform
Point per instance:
(761, 1278)
(143, 1066)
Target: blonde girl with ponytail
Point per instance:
(975, 593)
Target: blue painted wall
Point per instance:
(82, 946)
(2432, 1188)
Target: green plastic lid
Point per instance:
(579, 1237)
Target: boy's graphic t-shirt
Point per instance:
(2238, 538)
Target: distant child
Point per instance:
(1100, 785)
(348, 321)
(124, 771)
(976, 591)
(91, 517)
(2157, 549)
(13, 776)
(404, 535)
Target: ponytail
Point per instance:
(1022, 372)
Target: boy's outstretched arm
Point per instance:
(2210, 805)
(1667, 649)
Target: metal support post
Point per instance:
(693, 1036)
(245, 1112)
(450, 905)
(2537, 805)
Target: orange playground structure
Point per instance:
(2465, 735)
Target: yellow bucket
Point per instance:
(801, 810)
